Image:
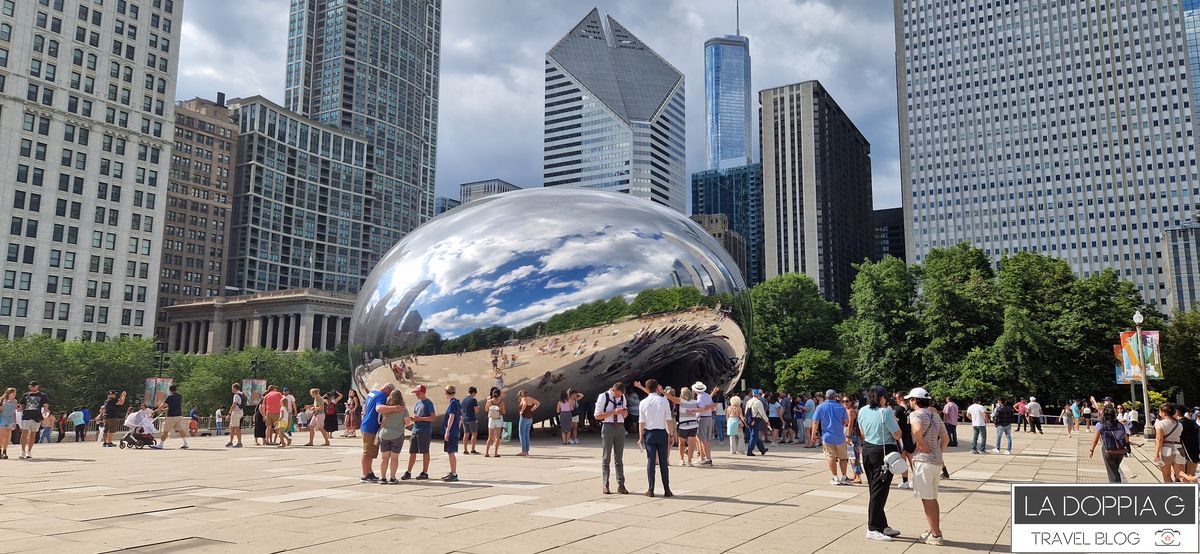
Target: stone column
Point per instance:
(256, 323)
(337, 332)
(270, 338)
(217, 333)
(281, 332)
(306, 331)
(172, 338)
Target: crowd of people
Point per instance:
(868, 437)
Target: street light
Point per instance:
(1138, 318)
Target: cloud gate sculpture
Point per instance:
(549, 289)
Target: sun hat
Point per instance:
(699, 387)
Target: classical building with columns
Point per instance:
(291, 320)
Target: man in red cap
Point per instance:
(423, 415)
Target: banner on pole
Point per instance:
(254, 389)
(1119, 367)
(156, 390)
(1149, 358)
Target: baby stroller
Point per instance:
(141, 430)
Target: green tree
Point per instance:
(881, 338)
(789, 314)
(1181, 354)
(959, 306)
(810, 370)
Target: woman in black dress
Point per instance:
(331, 402)
(260, 427)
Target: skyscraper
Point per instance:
(727, 101)
(199, 205)
(370, 67)
(816, 188)
(1063, 128)
(302, 212)
(888, 224)
(736, 193)
(614, 115)
(1180, 264)
(88, 123)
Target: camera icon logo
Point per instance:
(1166, 537)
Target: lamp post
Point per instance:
(1137, 322)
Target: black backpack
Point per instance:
(1116, 443)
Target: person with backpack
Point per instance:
(1116, 443)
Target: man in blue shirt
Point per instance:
(829, 421)
(470, 430)
(370, 425)
(450, 421)
(810, 406)
(423, 416)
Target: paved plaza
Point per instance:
(84, 498)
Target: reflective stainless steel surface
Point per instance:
(556, 288)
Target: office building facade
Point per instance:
(199, 204)
(889, 234)
(443, 204)
(816, 188)
(614, 115)
(1180, 264)
(735, 192)
(302, 213)
(370, 67)
(728, 102)
(88, 117)
(1063, 128)
(469, 192)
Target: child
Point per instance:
(282, 426)
(391, 438)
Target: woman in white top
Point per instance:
(689, 423)
(1167, 452)
(495, 413)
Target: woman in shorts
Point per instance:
(8, 420)
(495, 414)
(1168, 454)
(391, 438)
(689, 424)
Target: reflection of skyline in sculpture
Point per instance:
(577, 271)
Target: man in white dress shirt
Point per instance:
(653, 413)
(610, 412)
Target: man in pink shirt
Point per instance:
(950, 417)
(1022, 412)
(269, 408)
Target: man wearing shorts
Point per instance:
(32, 405)
(173, 405)
(829, 421)
(372, 406)
(237, 408)
(450, 431)
(112, 413)
(423, 415)
(931, 438)
(470, 421)
(705, 408)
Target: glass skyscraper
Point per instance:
(727, 102)
(614, 115)
(1064, 128)
(736, 193)
(371, 67)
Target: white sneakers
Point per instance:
(1008, 452)
(877, 536)
(995, 451)
(835, 481)
(905, 486)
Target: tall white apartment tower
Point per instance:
(86, 128)
(1064, 128)
(614, 115)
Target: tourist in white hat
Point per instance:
(706, 409)
(931, 438)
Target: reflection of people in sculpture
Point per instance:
(498, 374)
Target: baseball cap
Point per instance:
(1108, 399)
(112, 391)
(419, 388)
(917, 393)
(33, 383)
(1032, 399)
(755, 391)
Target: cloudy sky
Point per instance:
(492, 68)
